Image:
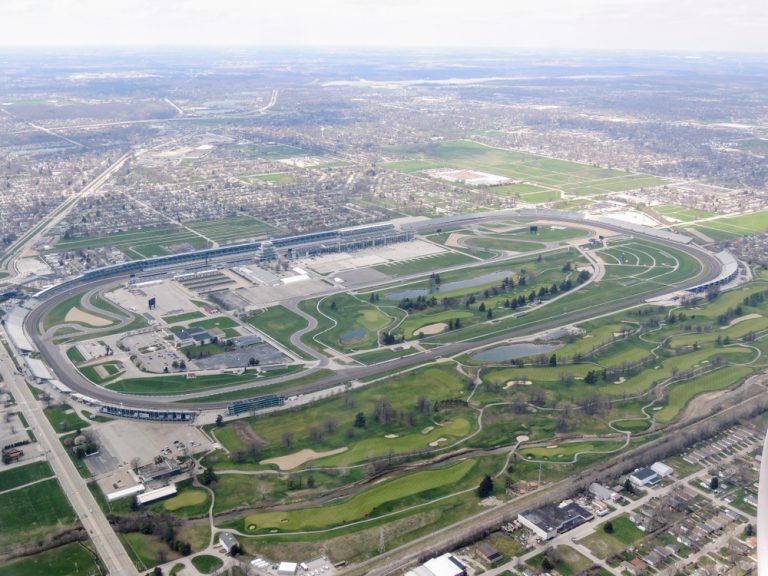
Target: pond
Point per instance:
(353, 336)
(514, 351)
(448, 286)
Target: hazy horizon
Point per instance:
(587, 25)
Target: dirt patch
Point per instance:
(431, 329)
(512, 383)
(454, 240)
(247, 435)
(741, 319)
(77, 315)
(296, 459)
(699, 406)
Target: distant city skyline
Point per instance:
(679, 25)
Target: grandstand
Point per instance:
(729, 271)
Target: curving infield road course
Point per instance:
(68, 374)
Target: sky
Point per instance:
(680, 25)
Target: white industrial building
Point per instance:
(125, 492)
(662, 470)
(287, 568)
(153, 495)
(445, 565)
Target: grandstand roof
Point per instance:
(14, 326)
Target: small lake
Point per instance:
(514, 351)
(448, 286)
(352, 336)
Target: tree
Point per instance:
(135, 464)
(546, 564)
(486, 487)
(629, 488)
(219, 420)
(360, 420)
(288, 440)
(553, 360)
(208, 477)
(714, 483)
(608, 528)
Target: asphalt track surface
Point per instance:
(70, 376)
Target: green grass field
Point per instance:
(139, 243)
(233, 229)
(280, 323)
(112, 370)
(68, 560)
(625, 534)
(35, 511)
(64, 419)
(24, 474)
(207, 564)
(357, 323)
(570, 177)
(170, 385)
(363, 505)
(433, 382)
(186, 317)
(682, 213)
(424, 264)
(144, 549)
(733, 226)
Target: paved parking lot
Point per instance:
(127, 439)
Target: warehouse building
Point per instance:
(550, 520)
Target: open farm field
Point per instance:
(733, 226)
(558, 175)
(142, 243)
(233, 229)
(682, 213)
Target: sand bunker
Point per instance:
(428, 429)
(390, 436)
(552, 447)
(431, 329)
(522, 438)
(77, 315)
(296, 459)
(517, 383)
(741, 319)
(438, 442)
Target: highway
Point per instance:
(110, 549)
(18, 249)
(75, 380)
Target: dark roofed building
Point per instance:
(551, 520)
(489, 553)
